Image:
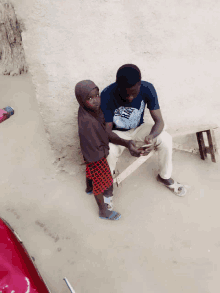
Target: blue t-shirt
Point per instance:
(125, 115)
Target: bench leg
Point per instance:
(201, 143)
(211, 146)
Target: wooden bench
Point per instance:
(199, 130)
(204, 150)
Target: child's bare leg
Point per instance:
(108, 197)
(105, 209)
(89, 185)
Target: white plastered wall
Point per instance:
(175, 43)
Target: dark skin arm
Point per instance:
(158, 123)
(115, 139)
(130, 144)
(155, 131)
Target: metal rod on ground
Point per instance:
(68, 284)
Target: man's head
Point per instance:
(128, 79)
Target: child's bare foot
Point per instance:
(109, 215)
(105, 206)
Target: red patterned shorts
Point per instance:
(100, 174)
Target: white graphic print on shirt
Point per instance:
(128, 117)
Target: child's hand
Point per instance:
(133, 149)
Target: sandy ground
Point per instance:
(161, 244)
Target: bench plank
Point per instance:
(208, 128)
(181, 131)
(130, 169)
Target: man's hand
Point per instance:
(133, 149)
(148, 149)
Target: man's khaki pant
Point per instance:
(163, 143)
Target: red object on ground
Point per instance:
(3, 115)
(18, 274)
(6, 113)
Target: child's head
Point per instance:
(128, 79)
(87, 94)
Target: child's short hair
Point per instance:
(128, 75)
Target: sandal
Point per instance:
(176, 187)
(114, 216)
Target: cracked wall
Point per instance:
(12, 57)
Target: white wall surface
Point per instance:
(175, 43)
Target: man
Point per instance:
(123, 104)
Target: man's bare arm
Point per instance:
(159, 123)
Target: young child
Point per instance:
(94, 143)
